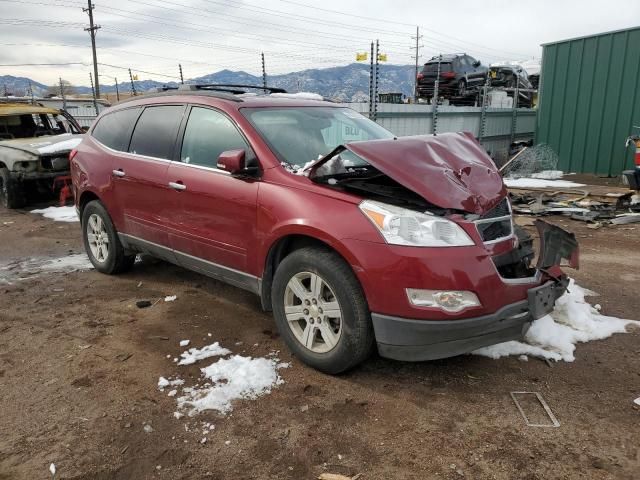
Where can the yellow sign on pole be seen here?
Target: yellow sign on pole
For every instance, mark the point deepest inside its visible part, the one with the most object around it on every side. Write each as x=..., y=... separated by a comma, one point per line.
x=135, y=77
x=382, y=57
x=361, y=56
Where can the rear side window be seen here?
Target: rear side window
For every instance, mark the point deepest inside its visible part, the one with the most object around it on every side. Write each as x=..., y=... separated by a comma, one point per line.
x=207, y=135
x=114, y=129
x=156, y=130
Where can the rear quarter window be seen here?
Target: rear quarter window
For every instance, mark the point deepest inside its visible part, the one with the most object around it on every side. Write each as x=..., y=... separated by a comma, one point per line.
x=114, y=129
x=156, y=130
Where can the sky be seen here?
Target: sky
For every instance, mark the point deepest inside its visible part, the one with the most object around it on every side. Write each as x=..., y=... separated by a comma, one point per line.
x=153, y=36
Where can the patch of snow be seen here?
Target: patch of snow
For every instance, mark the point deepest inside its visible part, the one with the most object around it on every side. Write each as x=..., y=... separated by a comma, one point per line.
x=299, y=96
x=232, y=379
x=548, y=174
x=192, y=355
x=70, y=263
x=64, y=146
x=332, y=181
x=164, y=383
x=59, y=214
x=147, y=428
x=170, y=298
x=637, y=401
x=555, y=336
x=31, y=268
x=52, y=468
x=184, y=343
x=540, y=183
x=172, y=393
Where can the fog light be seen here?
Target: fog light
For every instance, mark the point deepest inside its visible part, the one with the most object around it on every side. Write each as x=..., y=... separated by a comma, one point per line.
x=448, y=300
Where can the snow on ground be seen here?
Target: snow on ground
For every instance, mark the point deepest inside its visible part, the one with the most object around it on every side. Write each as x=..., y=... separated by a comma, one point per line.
x=540, y=183
x=555, y=336
x=21, y=269
x=64, y=146
x=548, y=174
x=230, y=379
x=59, y=214
x=193, y=355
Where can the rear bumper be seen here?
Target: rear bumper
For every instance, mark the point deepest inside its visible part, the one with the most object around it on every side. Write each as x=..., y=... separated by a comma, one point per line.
x=419, y=340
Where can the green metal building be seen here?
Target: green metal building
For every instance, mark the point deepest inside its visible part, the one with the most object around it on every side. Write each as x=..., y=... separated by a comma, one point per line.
x=589, y=101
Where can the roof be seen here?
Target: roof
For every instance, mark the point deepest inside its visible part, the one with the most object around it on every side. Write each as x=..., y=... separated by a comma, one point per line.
x=240, y=101
x=445, y=57
x=593, y=35
x=7, y=109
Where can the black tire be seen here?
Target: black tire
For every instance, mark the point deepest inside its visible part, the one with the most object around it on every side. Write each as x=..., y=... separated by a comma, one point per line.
x=356, y=341
x=117, y=260
x=11, y=195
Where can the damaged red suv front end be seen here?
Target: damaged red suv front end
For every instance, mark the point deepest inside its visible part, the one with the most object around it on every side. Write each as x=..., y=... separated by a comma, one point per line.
x=477, y=286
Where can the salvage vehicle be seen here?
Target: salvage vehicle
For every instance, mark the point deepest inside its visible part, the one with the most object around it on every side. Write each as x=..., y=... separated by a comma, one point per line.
x=460, y=76
x=351, y=236
x=512, y=76
x=35, y=142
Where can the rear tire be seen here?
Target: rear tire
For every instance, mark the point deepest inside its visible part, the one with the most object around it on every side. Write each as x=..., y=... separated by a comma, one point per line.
x=101, y=241
x=322, y=279
x=11, y=194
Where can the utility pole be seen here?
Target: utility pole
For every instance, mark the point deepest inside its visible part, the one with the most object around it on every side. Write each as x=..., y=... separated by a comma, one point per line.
x=64, y=98
x=92, y=32
x=31, y=93
x=434, y=102
x=117, y=92
x=6, y=93
x=264, y=74
x=181, y=77
x=375, y=83
x=417, y=57
x=93, y=91
x=133, y=87
x=371, y=83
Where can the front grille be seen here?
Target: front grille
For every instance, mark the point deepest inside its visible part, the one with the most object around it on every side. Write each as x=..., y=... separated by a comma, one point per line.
x=496, y=223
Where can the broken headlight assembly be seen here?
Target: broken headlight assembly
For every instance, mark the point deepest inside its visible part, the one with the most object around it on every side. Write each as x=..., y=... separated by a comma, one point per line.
x=401, y=226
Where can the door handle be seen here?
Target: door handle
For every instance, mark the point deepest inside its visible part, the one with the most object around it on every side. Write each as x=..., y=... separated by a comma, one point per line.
x=118, y=173
x=178, y=186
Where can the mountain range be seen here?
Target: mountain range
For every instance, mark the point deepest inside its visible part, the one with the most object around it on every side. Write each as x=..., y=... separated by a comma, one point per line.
x=348, y=83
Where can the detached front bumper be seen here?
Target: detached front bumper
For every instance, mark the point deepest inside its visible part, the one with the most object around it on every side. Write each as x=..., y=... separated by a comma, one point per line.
x=420, y=340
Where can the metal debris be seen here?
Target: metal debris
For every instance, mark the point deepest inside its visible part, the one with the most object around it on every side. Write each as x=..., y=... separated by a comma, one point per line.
x=552, y=417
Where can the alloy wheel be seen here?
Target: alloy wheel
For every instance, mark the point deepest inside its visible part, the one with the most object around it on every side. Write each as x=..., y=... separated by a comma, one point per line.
x=313, y=312
x=98, y=238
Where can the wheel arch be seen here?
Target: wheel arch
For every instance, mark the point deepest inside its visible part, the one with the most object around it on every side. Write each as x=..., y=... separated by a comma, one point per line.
x=86, y=197
x=286, y=244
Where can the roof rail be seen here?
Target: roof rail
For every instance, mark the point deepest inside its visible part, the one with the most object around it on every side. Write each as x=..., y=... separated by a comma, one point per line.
x=236, y=89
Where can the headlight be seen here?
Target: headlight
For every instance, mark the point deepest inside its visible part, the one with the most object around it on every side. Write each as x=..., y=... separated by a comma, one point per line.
x=448, y=300
x=400, y=226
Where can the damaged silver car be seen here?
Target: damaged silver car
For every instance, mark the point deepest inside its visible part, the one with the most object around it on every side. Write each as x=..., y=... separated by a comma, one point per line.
x=35, y=142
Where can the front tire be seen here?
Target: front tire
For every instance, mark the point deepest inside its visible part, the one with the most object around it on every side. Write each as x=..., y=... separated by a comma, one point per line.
x=461, y=90
x=101, y=241
x=321, y=311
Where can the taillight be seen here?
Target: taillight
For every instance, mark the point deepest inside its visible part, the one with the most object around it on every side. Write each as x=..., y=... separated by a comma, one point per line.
x=448, y=74
x=420, y=76
x=72, y=154
x=637, y=157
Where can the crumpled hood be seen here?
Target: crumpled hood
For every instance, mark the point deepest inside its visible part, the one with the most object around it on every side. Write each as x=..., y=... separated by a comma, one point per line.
x=45, y=145
x=449, y=170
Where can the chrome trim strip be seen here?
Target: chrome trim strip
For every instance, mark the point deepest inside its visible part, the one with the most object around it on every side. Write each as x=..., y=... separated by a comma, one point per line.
x=229, y=275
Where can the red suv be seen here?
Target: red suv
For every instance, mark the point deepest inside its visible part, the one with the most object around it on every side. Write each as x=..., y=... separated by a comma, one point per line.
x=353, y=237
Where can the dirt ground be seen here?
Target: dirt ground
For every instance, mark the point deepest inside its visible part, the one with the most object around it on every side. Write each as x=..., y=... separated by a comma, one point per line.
x=79, y=366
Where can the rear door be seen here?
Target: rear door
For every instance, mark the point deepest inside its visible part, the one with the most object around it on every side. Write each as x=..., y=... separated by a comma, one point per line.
x=141, y=188
x=213, y=215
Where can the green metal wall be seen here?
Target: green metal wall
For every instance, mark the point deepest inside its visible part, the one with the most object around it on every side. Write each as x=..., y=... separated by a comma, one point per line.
x=589, y=101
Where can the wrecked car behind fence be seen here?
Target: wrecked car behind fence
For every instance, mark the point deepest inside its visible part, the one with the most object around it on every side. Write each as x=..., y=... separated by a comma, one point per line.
x=35, y=142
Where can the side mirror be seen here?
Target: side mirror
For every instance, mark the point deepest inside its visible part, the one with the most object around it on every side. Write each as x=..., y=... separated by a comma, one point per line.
x=84, y=129
x=476, y=63
x=232, y=161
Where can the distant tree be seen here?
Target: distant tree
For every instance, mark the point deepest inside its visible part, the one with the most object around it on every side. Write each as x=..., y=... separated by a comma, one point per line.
x=54, y=90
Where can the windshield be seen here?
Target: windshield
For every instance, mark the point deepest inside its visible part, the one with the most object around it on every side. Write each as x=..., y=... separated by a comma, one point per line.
x=30, y=125
x=299, y=135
